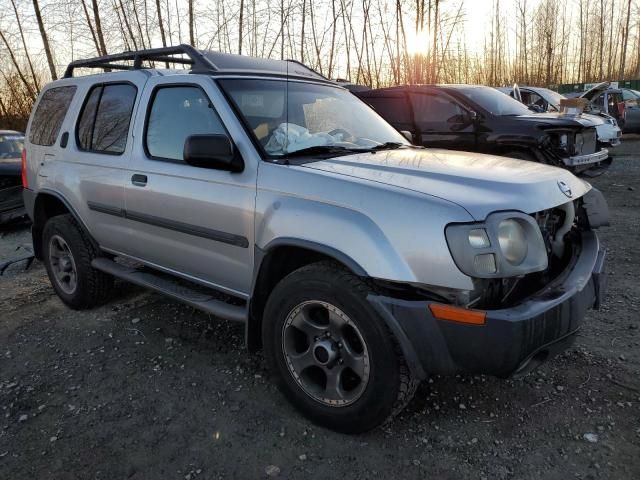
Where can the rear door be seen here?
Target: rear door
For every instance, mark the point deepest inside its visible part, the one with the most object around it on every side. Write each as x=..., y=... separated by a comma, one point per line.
x=96, y=159
x=442, y=121
x=191, y=221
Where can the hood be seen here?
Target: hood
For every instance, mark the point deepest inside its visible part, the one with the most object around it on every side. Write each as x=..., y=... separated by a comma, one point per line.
x=551, y=119
x=596, y=90
x=481, y=184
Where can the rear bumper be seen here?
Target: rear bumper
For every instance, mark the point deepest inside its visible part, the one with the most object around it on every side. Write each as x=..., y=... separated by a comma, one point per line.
x=512, y=340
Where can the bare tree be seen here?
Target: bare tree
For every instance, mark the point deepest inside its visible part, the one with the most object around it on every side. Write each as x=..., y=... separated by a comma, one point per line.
x=45, y=40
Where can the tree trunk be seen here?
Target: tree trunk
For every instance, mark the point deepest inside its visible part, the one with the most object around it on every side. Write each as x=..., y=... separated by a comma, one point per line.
x=90, y=25
x=192, y=38
x=24, y=46
x=304, y=10
x=45, y=41
x=625, y=41
x=96, y=16
x=240, y=23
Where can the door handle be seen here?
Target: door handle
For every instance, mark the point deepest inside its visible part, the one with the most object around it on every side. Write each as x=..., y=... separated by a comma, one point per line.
x=139, y=180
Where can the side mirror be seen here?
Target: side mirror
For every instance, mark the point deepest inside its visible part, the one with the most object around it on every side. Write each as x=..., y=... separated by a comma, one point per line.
x=212, y=151
x=407, y=134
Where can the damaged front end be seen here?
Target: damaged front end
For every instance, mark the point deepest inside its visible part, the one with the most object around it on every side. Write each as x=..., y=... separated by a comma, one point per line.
x=576, y=149
x=562, y=229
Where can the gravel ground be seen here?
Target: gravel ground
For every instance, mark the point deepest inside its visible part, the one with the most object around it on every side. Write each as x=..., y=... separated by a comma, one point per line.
x=145, y=388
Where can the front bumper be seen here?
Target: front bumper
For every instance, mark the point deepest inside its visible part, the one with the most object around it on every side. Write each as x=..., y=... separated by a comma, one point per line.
x=512, y=340
x=591, y=158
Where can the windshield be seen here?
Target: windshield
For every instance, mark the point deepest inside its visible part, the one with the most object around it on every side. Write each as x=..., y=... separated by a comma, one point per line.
x=494, y=101
x=288, y=116
x=550, y=96
x=11, y=145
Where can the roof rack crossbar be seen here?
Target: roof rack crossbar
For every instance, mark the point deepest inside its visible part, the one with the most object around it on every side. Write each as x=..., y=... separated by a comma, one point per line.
x=195, y=58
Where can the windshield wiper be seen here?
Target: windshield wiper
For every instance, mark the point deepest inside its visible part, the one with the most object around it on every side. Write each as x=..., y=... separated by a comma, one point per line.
x=388, y=146
x=318, y=150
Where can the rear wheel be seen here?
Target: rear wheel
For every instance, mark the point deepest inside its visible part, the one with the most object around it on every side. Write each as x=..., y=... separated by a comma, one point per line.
x=334, y=356
x=68, y=253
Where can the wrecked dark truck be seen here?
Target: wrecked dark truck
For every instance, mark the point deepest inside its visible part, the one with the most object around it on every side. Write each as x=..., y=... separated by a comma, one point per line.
x=11, y=202
x=480, y=119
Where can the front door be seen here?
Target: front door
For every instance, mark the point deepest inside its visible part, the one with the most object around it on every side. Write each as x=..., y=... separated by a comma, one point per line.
x=192, y=221
x=442, y=121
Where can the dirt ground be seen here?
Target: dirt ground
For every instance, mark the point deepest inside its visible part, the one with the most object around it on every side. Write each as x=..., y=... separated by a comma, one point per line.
x=145, y=388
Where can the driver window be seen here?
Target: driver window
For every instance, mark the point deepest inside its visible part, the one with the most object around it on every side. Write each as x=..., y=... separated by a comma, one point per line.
x=435, y=108
x=175, y=113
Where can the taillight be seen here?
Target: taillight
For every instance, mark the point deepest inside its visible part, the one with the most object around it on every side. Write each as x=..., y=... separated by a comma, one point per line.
x=25, y=184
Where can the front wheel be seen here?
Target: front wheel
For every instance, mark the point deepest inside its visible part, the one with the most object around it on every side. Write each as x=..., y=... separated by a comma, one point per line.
x=334, y=356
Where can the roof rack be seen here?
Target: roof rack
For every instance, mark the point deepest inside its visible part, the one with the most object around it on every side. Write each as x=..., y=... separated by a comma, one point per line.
x=113, y=62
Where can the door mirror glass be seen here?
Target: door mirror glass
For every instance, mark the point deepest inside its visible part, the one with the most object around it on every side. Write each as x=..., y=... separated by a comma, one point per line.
x=212, y=151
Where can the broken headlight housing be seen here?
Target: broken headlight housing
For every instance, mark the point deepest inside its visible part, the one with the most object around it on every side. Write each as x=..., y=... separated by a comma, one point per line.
x=506, y=244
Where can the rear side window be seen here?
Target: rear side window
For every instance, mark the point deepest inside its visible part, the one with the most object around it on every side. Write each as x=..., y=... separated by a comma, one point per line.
x=103, y=125
x=176, y=113
x=50, y=114
x=393, y=109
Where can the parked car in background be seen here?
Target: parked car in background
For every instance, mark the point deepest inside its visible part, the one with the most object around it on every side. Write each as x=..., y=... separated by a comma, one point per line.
x=623, y=104
x=542, y=100
x=481, y=119
x=261, y=192
x=11, y=202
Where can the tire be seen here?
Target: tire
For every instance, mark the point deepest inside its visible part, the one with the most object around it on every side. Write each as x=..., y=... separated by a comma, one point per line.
x=359, y=338
x=68, y=252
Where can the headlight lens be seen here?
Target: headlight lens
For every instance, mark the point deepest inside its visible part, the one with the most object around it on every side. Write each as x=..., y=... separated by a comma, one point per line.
x=505, y=244
x=513, y=241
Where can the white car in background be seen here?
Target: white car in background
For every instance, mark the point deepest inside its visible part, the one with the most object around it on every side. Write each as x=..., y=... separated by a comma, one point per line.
x=543, y=100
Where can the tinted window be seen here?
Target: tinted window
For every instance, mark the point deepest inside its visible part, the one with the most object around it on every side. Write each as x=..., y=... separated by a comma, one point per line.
x=394, y=109
x=436, y=108
x=175, y=114
x=104, y=121
x=49, y=115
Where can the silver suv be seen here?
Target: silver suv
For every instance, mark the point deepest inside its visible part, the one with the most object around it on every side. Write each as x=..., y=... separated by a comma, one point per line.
x=263, y=193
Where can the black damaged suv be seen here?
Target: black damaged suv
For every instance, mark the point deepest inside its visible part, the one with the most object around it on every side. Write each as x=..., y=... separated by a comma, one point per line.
x=481, y=119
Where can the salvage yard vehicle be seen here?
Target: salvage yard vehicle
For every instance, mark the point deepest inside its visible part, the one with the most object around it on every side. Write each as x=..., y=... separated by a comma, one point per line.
x=11, y=202
x=621, y=103
x=480, y=119
x=261, y=192
x=545, y=100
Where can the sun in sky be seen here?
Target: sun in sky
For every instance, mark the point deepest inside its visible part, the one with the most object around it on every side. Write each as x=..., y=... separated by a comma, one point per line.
x=419, y=43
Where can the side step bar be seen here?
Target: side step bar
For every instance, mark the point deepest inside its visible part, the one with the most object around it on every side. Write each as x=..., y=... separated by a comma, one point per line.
x=194, y=296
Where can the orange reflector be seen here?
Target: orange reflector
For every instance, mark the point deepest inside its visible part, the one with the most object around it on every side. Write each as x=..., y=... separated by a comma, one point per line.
x=457, y=314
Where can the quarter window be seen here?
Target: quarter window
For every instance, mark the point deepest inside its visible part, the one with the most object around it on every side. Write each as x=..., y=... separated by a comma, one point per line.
x=50, y=114
x=104, y=122
x=176, y=113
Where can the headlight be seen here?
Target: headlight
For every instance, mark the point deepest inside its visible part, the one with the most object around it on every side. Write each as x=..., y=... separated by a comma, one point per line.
x=513, y=241
x=563, y=140
x=506, y=244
